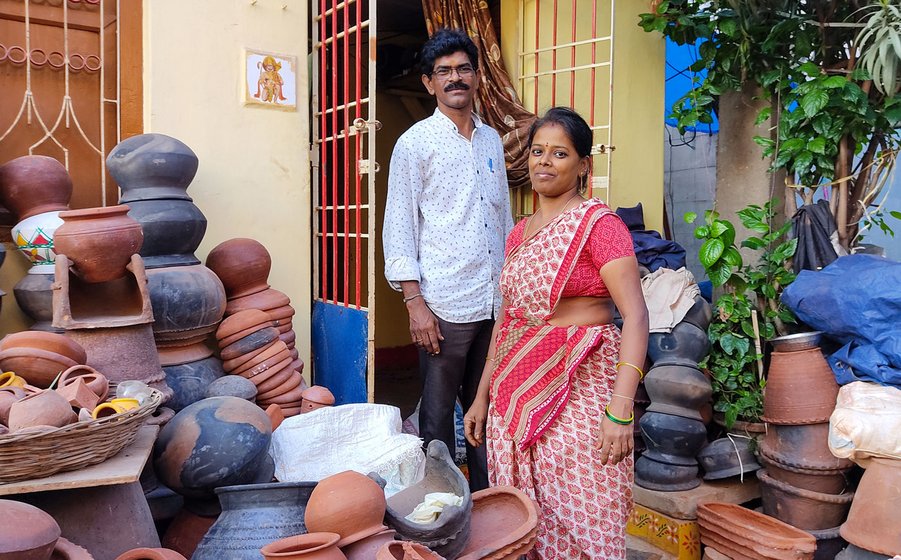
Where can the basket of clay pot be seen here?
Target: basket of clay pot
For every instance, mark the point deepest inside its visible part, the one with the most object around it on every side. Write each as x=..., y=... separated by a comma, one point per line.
x=42, y=451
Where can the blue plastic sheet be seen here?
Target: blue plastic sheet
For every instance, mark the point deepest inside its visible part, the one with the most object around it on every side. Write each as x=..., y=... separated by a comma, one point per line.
x=856, y=300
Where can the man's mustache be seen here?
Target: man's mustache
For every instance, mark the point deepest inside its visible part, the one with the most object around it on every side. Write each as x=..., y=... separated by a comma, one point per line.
x=456, y=85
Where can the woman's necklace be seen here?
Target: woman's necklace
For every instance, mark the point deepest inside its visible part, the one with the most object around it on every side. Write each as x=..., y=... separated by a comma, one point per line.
x=526, y=232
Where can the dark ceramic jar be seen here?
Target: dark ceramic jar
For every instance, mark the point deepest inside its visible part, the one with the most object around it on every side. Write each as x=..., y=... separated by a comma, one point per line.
x=152, y=167
x=189, y=382
x=32, y=185
x=672, y=439
x=677, y=387
x=254, y=515
x=188, y=302
x=173, y=229
x=34, y=296
x=686, y=342
x=664, y=477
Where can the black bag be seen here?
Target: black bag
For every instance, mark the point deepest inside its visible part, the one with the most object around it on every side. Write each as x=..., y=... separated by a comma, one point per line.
x=813, y=226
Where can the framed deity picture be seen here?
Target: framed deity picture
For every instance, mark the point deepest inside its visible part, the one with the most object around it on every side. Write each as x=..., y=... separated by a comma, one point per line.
x=270, y=80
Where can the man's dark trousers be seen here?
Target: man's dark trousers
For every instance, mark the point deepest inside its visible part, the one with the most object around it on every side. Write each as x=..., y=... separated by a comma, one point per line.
x=454, y=372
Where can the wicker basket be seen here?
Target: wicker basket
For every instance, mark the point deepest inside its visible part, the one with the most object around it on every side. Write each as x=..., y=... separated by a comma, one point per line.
x=39, y=454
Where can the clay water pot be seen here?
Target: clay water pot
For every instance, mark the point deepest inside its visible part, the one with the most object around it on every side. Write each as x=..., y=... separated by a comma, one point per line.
x=664, y=477
x=242, y=264
x=811, y=511
x=173, y=229
x=874, y=522
x=150, y=554
x=240, y=325
x=686, y=341
x=678, y=387
x=38, y=367
x=368, y=547
x=800, y=388
x=232, y=386
x=95, y=380
x=51, y=342
x=504, y=521
x=249, y=343
x=403, y=550
x=9, y=395
x=254, y=515
x=802, y=446
x=188, y=302
x=189, y=381
x=99, y=241
x=816, y=480
x=348, y=503
x=152, y=166
x=267, y=299
x=47, y=408
x=27, y=533
x=317, y=397
x=312, y=546
x=726, y=457
x=672, y=439
x=31, y=185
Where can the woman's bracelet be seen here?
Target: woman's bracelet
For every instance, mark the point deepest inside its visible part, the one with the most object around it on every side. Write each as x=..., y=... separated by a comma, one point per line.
x=411, y=298
x=616, y=419
x=633, y=366
x=622, y=397
x=490, y=358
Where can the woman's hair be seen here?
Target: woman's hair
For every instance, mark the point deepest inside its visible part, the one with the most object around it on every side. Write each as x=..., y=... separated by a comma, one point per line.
x=447, y=42
x=574, y=126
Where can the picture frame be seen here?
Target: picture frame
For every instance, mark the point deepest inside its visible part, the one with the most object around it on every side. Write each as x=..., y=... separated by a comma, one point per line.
x=270, y=79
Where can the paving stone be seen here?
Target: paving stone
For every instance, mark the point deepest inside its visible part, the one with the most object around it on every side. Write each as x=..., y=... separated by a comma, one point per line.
x=637, y=549
x=684, y=505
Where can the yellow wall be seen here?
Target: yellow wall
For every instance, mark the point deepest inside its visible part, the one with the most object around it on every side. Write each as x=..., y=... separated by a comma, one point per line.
x=254, y=175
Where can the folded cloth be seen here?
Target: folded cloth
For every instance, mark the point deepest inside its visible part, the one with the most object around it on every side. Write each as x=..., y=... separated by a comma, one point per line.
x=866, y=422
x=432, y=505
x=669, y=294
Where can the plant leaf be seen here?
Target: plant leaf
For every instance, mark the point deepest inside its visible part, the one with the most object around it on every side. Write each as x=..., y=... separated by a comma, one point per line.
x=720, y=273
x=690, y=217
x=814, y=101
x=710, y=252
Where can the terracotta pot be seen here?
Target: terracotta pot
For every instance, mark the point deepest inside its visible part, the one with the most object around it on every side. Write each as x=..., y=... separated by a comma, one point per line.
x=311, y=546
x=348, y=503
x=804, y=447
x=78, y=394
x=800, y=388
x=99, y=241
x=289, y=398
x=249, y=343
x=274, y=352
x=93, y=378
x=242, y=264
x=812, y=511
x=240, y=322
x=288, y=337
x=281, y=314
x=47, y=408
x=151, y=554
x=38, y=367
x=664, y=477
x=264, y=372
x=267, y=299
x=284, y=327
x=275, y=414
x=875, y=517
x=319, y=395
x=504, y=520
x=51, y=342
x=753, y=529
x=232, y=386
x=234, y=363
x=291, y=382
x=28, y=533
x=191, y=352
x=826, y=481
x=9, y=395
x=677, y=387
x=403, y=550
x=367, y=548
x=31, y=185
x=67, y=550
x=738, y=547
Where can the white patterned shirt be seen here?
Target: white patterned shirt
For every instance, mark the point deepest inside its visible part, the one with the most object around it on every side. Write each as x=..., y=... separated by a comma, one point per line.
x=447, y=217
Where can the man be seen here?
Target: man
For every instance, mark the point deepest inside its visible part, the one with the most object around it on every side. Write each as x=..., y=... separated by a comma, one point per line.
x=446, y=220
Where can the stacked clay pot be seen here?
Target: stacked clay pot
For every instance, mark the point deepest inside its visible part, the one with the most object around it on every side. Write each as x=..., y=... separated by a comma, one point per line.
x=875, y=517
x=243, y=266
x=250, y=346
x=803, y=484
x=39, y=356
x=153, y=172
x=672, y=426
x=36, y=189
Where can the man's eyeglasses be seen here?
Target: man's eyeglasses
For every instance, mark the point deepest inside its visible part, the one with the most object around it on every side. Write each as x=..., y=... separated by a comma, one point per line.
x=444, y=72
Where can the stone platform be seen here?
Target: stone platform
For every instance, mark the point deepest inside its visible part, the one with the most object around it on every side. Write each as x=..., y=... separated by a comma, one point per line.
x=684, y=504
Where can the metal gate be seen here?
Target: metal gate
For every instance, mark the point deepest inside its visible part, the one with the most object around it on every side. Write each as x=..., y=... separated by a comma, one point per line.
x=343, y=152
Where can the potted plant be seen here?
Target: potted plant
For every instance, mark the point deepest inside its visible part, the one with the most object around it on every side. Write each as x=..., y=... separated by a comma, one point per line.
x=748, y=309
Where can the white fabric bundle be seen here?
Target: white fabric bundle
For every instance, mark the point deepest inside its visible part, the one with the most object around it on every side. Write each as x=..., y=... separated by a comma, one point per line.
x=866, y=422
x=432, y=505
x=669, y=295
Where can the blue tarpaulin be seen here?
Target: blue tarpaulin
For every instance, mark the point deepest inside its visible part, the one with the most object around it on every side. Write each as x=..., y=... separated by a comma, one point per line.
x=678, y=79
x=856, y=301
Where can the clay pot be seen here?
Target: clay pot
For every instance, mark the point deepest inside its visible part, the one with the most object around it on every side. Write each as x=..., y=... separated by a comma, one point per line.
x=178, y=355
x=189, y=382
x=47, y=408
x=31, y=185
x=99, y=241
x=38, y=367
x=403, y=550
x=825, y=481
x=802, y=508
x=249, y=343
x=726, y=457
x=664, y=477
x=67, y=550
x=51, y=342
x=9, y=395
x=800, y=388
x=367, y=548
x=674, y=440
x=254, y=515
x=232, y=386
x=281, y=314
x=34, y=238
x=677, y=387
x=78, y=394
x=829, y=543
x=186, y=530
x=27, y=532
x=686, y=341
x=235, y=363
x=804, y=447
x=93, y=378
x=751, y=534
x=347, y=503
x=875, y=517
x=188, y=302
x=317, y=397
x=274, y=352
x=244, y=322
x=214, y=442
x=273, y=388
x=700, y=314
x=151, y=554
x=242, y=264
x=504, y=520
x=275, y=414
x=152, y=166
x=312, y=546
x=173, y=229
x=288, y=399
x=34, y=296
x=267, y=299
x=264, y=372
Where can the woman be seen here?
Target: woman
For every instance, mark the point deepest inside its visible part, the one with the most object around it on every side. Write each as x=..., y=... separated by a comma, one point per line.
x=555, y=399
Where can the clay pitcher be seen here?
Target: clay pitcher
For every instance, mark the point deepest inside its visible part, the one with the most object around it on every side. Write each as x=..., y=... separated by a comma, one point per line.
x=99, y=241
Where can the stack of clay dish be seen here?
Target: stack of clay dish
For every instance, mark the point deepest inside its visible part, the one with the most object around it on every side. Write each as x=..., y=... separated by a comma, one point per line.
x=448, y=534
x=738, y=532
x=243, y=265
x=804, y=484
x=316, y=397
x=311, y=546
x=39, y=356
x=249, y=346
x=36, y=189
x=349, y=504
x=504, y=524
x=874, y=522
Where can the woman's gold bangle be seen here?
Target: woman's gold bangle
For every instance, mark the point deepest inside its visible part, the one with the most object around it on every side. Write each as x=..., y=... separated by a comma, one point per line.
x=622, y=396
x=633, y=366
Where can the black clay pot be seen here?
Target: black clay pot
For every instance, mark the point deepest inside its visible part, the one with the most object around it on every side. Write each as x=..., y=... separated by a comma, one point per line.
x=189, y=382
x=152, y=167
x=219, y=441
x=686, y=341
x=673, y=440
x=254, y=515
x=727, y=457
x=700, y=314
x=856, y=553
x=34, y=295
x=188, y=302
x=677, y=387
x=663, y=477
x=173, y=229
x=829, y=543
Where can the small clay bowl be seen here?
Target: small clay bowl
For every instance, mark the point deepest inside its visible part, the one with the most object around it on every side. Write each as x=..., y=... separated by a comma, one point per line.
x=276, y=350
x=51, y=342
x=282, y=313
x=275, y=382
x=241, y=321
x=285, y=327
x=177, y=355
x=231, y=365
x=258, y=376
x=292, y=382
x=96, y=381
x=291, y=397
x=38, y=367
x=267, y=299
x=249, y=343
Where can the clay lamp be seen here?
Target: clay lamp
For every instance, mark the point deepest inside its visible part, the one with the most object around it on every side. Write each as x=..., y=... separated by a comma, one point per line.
x=347, y=503
x=28, y=533
x=316, y=397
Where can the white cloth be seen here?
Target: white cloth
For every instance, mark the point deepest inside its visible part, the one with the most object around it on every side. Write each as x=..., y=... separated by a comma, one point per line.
x=359, y=437
x=432, y=505
x=866, y=422
x=447, y=217
x=669, y=294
